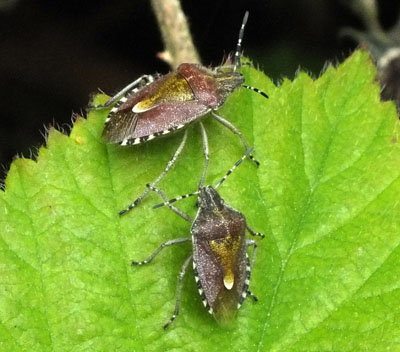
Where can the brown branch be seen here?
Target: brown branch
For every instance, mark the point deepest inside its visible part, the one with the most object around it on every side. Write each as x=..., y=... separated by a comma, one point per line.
x=174, y=28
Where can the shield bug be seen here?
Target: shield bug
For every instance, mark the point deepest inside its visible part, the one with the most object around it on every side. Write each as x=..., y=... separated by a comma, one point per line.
x=221, y=265
x=151, y=107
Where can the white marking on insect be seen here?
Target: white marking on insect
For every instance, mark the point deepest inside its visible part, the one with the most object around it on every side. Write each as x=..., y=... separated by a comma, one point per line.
x=124, y=142
x=228, y=284
x=137, y=109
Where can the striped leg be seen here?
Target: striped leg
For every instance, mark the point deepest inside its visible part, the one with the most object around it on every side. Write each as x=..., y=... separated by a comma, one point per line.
x=159, y=249
x=245, y=289
x=146, y=78
x=227, y=124
x=253, y=233
x=154, y=183
x=255, y=299
x=253, y=256
x=249, y=265
x=173, y=200
x=206, y=154
x=179, y=291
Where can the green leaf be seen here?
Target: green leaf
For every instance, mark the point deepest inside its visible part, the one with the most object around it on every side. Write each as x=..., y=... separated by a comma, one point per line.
x=326, y=196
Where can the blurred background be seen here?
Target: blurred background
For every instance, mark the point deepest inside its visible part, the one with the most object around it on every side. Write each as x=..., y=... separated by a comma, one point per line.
x=55, y=54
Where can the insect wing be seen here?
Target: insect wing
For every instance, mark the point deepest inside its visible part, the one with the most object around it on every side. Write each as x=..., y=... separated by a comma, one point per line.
x=120, y=127
x=159, y=108
x=166, y=118
x=121, y=121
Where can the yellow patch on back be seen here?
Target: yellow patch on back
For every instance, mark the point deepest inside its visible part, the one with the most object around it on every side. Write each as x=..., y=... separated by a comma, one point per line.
x=226, y=250
x=176, y=88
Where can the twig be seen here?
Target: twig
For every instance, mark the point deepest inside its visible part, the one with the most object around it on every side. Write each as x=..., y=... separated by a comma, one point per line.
x=178, y=42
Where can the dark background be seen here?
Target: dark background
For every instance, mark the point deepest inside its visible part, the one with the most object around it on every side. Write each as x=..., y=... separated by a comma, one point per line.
x=54, y=54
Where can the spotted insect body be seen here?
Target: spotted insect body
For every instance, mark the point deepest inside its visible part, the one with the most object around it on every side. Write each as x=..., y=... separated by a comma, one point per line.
x=152, y=107
x=221, y=265
x=169, y=103
x=219, y=255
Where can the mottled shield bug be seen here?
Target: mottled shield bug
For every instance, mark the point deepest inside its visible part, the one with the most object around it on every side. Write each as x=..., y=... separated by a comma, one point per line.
x=221, y=265
x=151, y=107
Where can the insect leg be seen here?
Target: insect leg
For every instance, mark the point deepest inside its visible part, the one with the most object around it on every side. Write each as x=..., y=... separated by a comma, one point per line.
x=245, y=289
x=172, y=207
x=227, y=124
x=159, y=249
x=167, y=168
x=253, y=233
x=179, y=291
x=249, y=265
x=147, y=78
x=252, y=295
x=253, y=256
x=206, y=154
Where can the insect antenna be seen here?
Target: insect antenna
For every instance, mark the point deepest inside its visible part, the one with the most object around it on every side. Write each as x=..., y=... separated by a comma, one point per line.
x=254, y=89
x=174, y=209
x=173, y=200
x=234, y=167
x=236, y=59
x=238, y=54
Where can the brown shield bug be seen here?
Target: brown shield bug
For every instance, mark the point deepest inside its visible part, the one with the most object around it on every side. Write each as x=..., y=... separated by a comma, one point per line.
x=151, y=107
x=221, y=265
